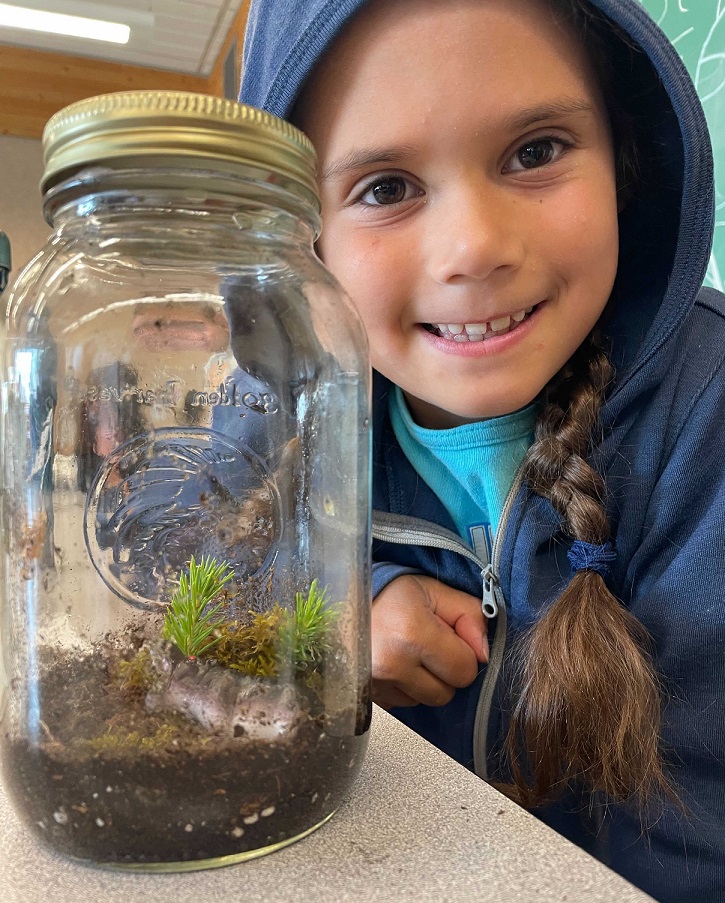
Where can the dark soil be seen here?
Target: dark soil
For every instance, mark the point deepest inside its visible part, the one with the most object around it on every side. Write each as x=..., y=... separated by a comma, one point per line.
x=112, y=783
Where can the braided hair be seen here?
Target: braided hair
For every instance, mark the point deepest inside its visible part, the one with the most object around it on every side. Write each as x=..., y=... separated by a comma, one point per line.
x=588, y=707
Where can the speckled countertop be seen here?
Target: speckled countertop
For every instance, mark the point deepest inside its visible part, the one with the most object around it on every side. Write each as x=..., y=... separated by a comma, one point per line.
x=417, y=827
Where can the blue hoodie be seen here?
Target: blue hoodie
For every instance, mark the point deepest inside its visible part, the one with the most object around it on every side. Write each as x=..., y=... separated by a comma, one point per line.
x=661, y=454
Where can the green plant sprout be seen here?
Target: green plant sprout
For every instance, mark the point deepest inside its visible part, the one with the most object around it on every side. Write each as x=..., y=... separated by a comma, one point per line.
x=189, y=622
x=260, y=647
x=268, y=641
x=305, y=630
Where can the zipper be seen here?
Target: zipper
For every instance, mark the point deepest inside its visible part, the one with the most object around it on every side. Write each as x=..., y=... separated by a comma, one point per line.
x=498, y=647
x=404, y=530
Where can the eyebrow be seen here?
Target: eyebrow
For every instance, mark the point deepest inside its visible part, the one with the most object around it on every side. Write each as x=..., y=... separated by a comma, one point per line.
x=367, y=156
x=522, y=119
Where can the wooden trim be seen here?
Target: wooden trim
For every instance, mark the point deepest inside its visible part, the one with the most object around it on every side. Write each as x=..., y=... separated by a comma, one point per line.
x=216, y=79
x=35, y=84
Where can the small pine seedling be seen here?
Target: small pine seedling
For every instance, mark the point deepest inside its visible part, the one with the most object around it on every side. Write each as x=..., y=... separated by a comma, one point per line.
x=305, y=631
x=189, y=622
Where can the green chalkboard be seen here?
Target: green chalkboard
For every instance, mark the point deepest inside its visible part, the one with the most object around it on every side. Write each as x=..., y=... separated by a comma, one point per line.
x=697, y=29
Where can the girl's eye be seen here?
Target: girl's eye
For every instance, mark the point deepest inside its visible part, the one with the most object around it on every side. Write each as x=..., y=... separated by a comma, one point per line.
x=536, y=153
x=387, y=190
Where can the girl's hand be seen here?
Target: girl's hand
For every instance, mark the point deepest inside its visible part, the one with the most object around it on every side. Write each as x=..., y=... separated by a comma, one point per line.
x=428, y=639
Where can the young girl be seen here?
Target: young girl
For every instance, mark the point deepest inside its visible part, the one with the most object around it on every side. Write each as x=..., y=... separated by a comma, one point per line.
x=517, y=194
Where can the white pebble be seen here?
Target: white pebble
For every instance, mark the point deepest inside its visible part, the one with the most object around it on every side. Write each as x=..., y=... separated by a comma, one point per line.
x=268, y=811
x=100, y=822
x=61, y=817
x=314, y=797
x=189, y=828
x=95, y=796
x=251, y=819
x=109, y=789
x=237, y=832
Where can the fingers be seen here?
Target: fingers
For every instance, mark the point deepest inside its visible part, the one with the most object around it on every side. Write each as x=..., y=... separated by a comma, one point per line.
x=428, y=640
x=399, y=679
x=388, y=696
x=448, y=657
x=464, y=614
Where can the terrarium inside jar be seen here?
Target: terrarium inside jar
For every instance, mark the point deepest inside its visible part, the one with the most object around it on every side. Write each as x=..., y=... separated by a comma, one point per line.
x=184, y=494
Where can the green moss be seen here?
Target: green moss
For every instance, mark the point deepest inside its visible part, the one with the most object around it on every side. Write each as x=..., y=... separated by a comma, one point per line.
x=252, y=648
x=135, y=676
x=261, y=646
x=161, y=738
x=117, y=741
x=269, y=642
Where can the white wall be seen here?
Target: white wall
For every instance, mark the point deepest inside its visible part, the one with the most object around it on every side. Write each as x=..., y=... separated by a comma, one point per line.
x=21, y=217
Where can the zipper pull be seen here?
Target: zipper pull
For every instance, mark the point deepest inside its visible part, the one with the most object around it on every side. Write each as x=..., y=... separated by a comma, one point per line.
x=489, y=605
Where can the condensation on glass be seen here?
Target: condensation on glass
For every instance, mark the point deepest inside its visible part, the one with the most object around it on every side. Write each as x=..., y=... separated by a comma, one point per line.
x=184, y=494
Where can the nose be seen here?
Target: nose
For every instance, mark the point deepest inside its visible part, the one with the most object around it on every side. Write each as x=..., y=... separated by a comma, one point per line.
x=476, y=231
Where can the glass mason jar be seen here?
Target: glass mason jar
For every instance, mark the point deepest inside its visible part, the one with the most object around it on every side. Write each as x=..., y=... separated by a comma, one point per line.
x=184, y=494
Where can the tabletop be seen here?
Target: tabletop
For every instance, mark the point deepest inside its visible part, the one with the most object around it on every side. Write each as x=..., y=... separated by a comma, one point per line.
x=415, y=827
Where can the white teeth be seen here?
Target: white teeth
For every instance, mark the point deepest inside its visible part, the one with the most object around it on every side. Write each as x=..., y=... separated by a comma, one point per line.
x=500, y=323
x=475, y=332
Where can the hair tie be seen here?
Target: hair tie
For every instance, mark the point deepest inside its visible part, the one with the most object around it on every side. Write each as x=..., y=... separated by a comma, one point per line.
x=586, y=556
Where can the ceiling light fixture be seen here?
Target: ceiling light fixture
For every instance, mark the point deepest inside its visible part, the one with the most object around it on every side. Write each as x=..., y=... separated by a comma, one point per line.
x=61, y=23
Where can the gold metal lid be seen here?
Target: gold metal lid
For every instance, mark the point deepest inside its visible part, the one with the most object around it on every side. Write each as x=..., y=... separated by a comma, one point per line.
x=177, y=129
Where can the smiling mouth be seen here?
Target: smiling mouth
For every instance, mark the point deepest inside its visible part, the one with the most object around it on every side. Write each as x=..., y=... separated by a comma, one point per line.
x=479, y=332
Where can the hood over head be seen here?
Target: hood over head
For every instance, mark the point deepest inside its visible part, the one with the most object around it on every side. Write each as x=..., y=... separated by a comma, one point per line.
x=666, y=226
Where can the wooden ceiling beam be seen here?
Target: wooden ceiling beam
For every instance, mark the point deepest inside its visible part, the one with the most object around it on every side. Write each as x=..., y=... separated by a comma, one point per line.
x=35, y=84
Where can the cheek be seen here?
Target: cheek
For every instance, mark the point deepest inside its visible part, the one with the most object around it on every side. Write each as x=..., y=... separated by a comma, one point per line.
x=363, y=266
x=581, y=234
x=597, y=247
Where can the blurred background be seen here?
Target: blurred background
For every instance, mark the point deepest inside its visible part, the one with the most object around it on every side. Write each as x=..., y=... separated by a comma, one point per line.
x=184, y=45
x=697, y=29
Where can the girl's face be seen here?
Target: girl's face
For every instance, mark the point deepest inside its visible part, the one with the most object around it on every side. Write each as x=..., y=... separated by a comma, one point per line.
x=468, y=197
